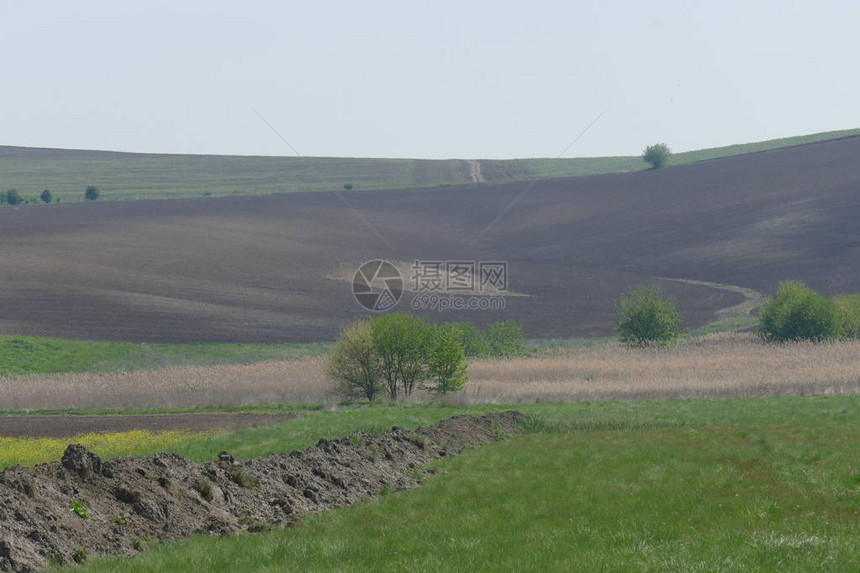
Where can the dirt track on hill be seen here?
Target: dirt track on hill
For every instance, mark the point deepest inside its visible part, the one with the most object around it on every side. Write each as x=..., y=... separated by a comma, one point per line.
x=61, y=426
x=128, y=500
x=253, y=269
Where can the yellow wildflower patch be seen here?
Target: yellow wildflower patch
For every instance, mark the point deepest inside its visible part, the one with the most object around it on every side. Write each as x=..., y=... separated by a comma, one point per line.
x=32, y=451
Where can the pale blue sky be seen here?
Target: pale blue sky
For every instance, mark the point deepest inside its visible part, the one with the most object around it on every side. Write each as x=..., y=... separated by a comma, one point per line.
x=433, y=79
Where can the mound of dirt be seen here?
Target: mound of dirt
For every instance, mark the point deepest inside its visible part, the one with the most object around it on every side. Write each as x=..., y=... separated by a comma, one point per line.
x=61, y=512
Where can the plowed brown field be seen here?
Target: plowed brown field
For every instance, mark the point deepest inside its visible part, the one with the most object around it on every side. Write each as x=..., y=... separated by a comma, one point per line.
x=257, y=268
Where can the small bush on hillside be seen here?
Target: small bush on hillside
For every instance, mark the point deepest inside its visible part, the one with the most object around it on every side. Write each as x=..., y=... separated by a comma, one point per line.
x=13, y=197
x=798, y=313
x=657, y=155
x=644, y=316
x=92, y=193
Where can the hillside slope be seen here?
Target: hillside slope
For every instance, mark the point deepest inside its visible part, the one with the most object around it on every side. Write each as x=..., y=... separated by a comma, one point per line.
x=257, y=268
x=132, y=176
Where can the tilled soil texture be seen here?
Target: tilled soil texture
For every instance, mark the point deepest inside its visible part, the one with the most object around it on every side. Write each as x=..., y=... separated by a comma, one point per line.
x=255, y=269
x=62, y=426
x=61, y=511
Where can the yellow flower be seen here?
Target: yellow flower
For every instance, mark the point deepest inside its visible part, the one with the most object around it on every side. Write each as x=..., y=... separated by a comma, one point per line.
x=31, y=451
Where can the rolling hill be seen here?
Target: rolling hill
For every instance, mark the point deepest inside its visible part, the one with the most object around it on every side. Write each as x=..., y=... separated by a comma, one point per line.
x=131, y=176
x=258, y=268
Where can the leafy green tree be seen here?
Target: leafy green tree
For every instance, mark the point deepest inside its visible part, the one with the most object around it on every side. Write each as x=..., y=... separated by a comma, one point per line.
x=446, y=363
x=848, y=310
x=92, y=193
x=644, y=316
x=470, y=337
x=798, y=313
x=46, y=196
x=505, y=338
x=354, y=364
x=402, y=341
x=396, y=352
x=13, y=197
x=657, y=155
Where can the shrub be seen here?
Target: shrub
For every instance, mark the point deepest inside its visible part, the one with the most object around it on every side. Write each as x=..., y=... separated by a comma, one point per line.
x=848, y=310
x=644, y=316
x=505, y=338
x=354, y=364
x=92, y=193
x=657, y=155
x=13, y=197
x=46, y=196
x=348, y=186
x=446, y=363
x=798, y=313
x=470, y=337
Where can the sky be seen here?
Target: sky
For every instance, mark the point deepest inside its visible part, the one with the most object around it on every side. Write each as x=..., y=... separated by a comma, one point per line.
x=435, y=80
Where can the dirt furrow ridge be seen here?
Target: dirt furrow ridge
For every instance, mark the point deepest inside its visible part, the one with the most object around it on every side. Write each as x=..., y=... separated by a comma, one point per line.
x=63, y=512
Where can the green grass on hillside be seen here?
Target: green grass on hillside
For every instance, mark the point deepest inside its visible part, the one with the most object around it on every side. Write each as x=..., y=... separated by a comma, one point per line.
x=34, y=355
x=158, y=176
x=724, y=485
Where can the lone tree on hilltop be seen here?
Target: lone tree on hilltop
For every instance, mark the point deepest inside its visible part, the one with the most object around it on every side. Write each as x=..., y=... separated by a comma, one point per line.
x=92, y=193
x=657, y=155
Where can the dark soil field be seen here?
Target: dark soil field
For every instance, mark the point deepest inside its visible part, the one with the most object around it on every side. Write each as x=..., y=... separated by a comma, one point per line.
x=255, y=269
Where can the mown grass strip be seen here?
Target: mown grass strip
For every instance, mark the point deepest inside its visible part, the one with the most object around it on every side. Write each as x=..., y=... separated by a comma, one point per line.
x=21, y=355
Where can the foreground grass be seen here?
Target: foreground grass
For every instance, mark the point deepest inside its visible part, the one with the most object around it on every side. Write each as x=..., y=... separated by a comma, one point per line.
x=36, y=355
x=729, y=485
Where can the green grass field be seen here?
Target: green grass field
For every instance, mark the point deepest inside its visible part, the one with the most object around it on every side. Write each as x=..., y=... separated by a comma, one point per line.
x=724, y=485
x=127, y=176
x=35, y=355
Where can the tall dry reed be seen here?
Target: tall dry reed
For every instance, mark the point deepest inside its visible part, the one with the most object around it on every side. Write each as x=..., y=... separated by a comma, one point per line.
x=718, y=366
